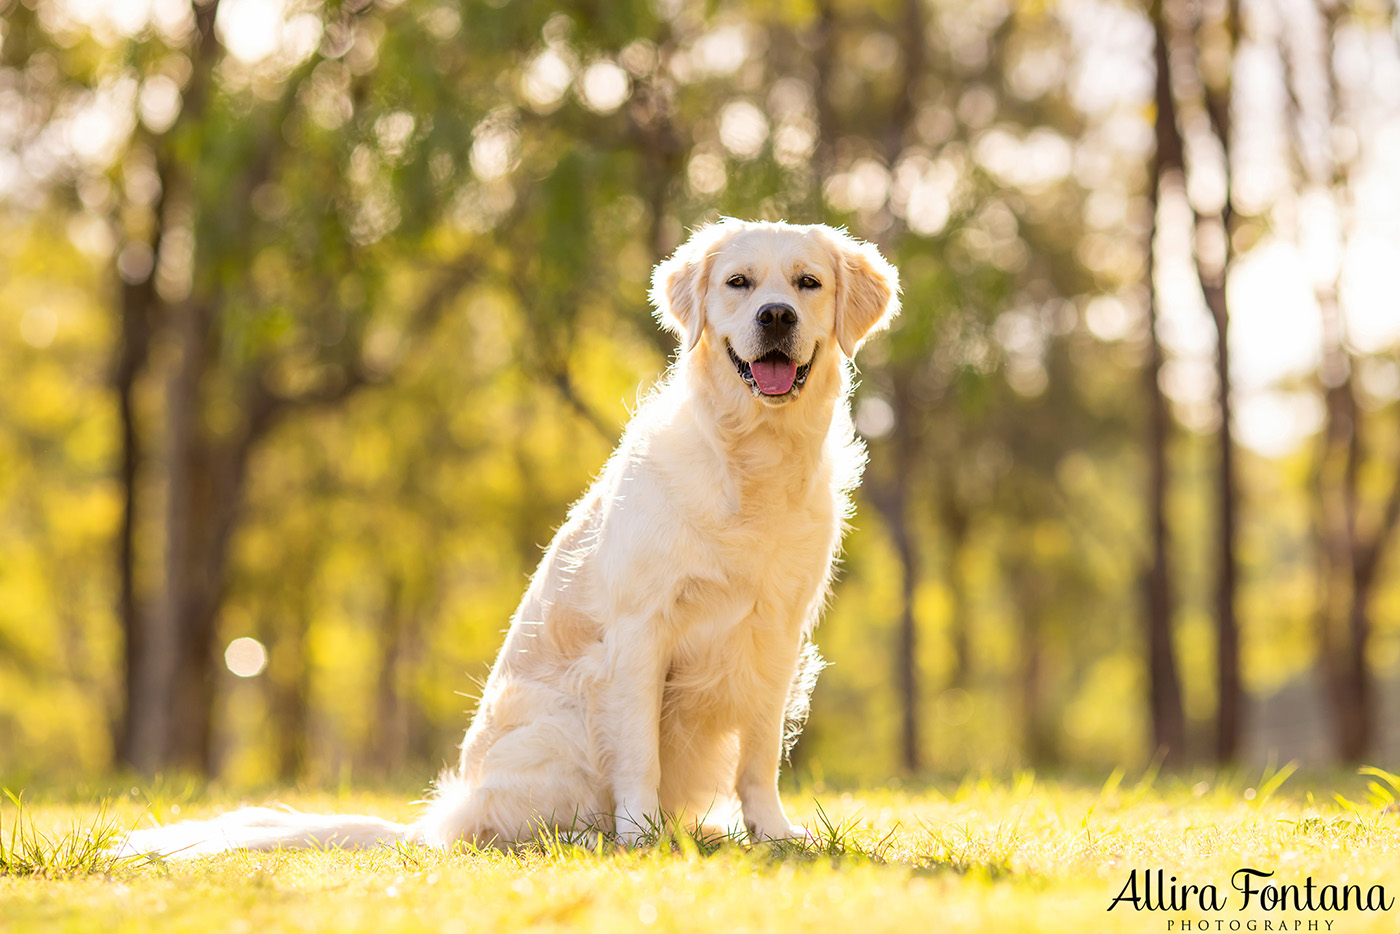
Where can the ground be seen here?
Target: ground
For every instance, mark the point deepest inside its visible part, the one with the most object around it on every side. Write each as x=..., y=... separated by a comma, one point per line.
x=1022, y=854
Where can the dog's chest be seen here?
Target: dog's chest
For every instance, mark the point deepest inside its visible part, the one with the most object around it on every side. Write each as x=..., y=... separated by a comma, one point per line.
x=759, y=560
x=756, y=533
x=706, y=543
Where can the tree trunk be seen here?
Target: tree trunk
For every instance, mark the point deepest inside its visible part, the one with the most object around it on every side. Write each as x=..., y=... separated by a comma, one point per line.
x=824, y=64
x=892, y=499
x=174, y=639
x=131, y=359
x=1341, y=616
x=906, y=643
x=1354, y=718
x=1355, y=715
x=222, y=470
x=1214, y=255
x=290, y=687
x=204, y=489
x=172, y=674
x=388, y=741
x=1228, y=683
x=151, y=650
x=164, y=642
x=955, y=524
x=1164, y=686
x=1037, y=733
x=907, y=650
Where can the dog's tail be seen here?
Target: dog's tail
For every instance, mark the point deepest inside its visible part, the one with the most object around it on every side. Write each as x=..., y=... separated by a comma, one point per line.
x=263, y=829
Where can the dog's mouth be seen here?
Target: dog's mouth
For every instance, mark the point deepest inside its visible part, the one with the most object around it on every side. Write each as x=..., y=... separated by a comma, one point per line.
x=773, y=374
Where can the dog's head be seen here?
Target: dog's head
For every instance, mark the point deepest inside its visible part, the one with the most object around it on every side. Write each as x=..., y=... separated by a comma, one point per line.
x=772, y=299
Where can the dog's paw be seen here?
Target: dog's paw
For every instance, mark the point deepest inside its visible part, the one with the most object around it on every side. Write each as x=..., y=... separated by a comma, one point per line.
x=629, y=839
x=631, y=834
x=779, y=833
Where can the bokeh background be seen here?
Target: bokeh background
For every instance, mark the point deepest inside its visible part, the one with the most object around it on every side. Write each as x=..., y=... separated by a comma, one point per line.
x=315, y=316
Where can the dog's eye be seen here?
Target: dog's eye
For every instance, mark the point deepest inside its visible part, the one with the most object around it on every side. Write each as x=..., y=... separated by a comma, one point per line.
x=808, y=282
x=739, y=282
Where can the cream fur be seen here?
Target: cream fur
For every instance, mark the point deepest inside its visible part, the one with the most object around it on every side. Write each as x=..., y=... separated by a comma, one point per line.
x=662, y=646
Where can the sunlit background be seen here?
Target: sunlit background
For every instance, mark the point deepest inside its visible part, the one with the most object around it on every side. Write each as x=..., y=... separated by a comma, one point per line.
x=315, y=317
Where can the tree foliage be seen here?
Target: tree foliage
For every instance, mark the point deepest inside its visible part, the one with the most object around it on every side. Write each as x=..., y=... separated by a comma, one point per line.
x=315, y=326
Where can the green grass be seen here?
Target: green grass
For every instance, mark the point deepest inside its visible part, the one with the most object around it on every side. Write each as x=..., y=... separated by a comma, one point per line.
x=82, y=849
x=1025, y=854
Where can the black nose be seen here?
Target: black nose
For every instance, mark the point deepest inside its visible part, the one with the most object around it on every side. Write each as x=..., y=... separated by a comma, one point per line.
x=776, y=319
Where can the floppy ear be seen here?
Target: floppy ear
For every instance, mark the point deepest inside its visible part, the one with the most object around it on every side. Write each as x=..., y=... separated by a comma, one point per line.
x=678, y=288
x=867, y=291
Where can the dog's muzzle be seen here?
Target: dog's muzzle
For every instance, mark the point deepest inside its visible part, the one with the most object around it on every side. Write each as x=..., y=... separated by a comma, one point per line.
x=774, y=374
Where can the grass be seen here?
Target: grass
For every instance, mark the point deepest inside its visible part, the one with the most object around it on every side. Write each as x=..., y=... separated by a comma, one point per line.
x=1025, y=854
x=80, y=850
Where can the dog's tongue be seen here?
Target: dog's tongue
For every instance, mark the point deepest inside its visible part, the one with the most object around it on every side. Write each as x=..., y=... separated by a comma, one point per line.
x=774, y=377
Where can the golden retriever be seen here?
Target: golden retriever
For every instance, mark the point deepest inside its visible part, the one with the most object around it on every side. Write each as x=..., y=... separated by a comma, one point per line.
x=660, y=656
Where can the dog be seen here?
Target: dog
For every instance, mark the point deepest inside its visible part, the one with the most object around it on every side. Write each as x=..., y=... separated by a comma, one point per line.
x=661, y=660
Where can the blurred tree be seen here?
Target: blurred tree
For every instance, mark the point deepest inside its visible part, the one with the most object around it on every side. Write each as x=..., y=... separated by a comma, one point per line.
x=1352, y=530
x=374, y=287
x=917, y=111
x=1164, y=686
x=1205, y=39
x=265, y=281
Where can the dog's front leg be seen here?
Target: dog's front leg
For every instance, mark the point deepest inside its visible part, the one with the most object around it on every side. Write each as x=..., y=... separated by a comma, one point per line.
x=631, y=705
x=761, y=744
